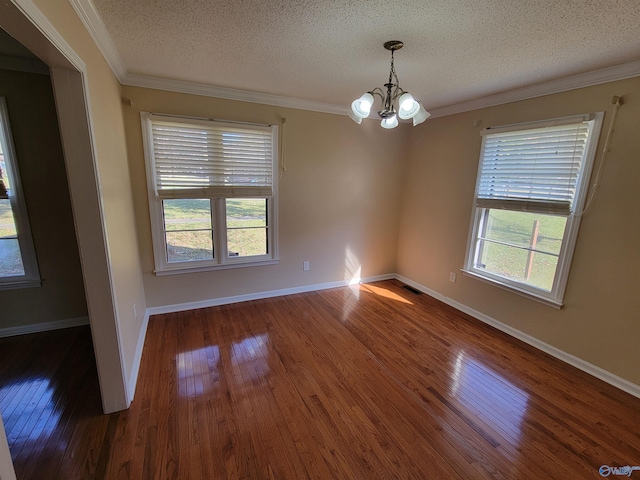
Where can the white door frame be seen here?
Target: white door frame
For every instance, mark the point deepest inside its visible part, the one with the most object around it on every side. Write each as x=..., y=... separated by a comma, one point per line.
x=24, y=21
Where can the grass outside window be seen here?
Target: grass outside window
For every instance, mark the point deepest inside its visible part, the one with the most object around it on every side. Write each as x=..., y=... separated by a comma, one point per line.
x=510, y=246
x=10, y=258
x=190, y=235
x=246, y=227
x=188, y=231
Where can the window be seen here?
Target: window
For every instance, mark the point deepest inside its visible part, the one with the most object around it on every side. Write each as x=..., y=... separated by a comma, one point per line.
x=212, y=193
x=18, y=266
x=531, y=186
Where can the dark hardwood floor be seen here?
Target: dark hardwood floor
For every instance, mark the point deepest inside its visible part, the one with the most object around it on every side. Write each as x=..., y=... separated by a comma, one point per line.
x=366, y=382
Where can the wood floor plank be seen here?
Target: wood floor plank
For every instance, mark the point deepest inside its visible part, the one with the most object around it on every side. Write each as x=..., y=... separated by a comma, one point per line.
x=369, y=381
x=371, y=398
x=416, y=413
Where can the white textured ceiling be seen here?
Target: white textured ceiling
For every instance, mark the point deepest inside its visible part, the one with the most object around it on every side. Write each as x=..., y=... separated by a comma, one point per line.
x=331, y=51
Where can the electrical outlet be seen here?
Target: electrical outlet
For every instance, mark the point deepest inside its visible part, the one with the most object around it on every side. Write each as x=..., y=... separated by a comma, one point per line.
x=305, y=266
x=452, y=277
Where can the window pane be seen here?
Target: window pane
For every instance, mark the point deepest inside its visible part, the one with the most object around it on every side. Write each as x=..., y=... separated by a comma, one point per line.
x=520, y=246
x=5, y=189
x=189, y=236
x=189, y=246
x=246, y=212
x=517, y=228
x=7, y=222
x=246, y=226
x=543, y=269
x=187, y=214
x=10, y=259
x=244, y=242
x=17, y=254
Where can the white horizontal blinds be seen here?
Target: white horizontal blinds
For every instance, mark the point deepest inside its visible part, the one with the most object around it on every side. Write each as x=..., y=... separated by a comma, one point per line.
x=211, y=159
x=534, y=170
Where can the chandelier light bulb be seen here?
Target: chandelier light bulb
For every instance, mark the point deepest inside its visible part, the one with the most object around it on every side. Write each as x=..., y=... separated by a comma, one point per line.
x=389, y=122
x=361, y=107
x=408, y=106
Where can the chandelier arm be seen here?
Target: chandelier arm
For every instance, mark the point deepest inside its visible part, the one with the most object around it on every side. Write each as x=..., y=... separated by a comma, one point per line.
x=379, y=92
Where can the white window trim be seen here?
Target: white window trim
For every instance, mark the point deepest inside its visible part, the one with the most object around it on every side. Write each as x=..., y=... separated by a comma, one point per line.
x=221, y=260
x=555, y=298
x=31, y=278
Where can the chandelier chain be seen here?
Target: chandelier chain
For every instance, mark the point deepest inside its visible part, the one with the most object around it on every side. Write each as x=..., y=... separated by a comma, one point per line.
x=391, y=95
x=392, y=72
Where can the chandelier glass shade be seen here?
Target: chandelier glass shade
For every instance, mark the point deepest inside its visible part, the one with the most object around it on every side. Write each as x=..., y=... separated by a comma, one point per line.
x=396, y=103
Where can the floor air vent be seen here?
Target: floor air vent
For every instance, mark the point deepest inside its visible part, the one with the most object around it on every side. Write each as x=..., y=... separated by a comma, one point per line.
x=412, y=290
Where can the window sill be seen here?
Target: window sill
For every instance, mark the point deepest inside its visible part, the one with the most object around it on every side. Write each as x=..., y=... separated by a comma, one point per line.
x=20, y=284
x=505, y=286
x=206, y=268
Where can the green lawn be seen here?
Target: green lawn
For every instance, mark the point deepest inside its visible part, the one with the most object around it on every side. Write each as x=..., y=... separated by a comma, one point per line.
x=188, y=224
x=515, y=228
x=7, y=225
x=10, y=259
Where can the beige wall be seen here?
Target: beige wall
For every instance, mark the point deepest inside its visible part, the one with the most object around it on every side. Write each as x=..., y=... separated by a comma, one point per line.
x=600, y=322
x=115, y=183
x=338, y=198
x=116, y=343
x=36, y=139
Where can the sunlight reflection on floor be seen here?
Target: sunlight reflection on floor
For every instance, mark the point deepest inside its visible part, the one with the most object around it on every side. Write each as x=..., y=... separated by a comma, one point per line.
x=190, y=366
x=250, y=358
x=42, y=406
x=489, y=395
x=383, y=292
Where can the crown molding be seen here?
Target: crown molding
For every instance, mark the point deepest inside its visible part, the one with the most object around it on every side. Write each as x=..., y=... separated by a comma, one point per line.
x=29, y=12
x=180, y=86
x=96, y=28
x=588, y=79
x=92, y=21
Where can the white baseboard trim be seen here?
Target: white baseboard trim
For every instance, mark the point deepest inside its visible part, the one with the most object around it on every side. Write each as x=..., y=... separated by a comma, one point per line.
x=579, y=363
x=43, y=326
x=214, y=302
x=137, y=358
